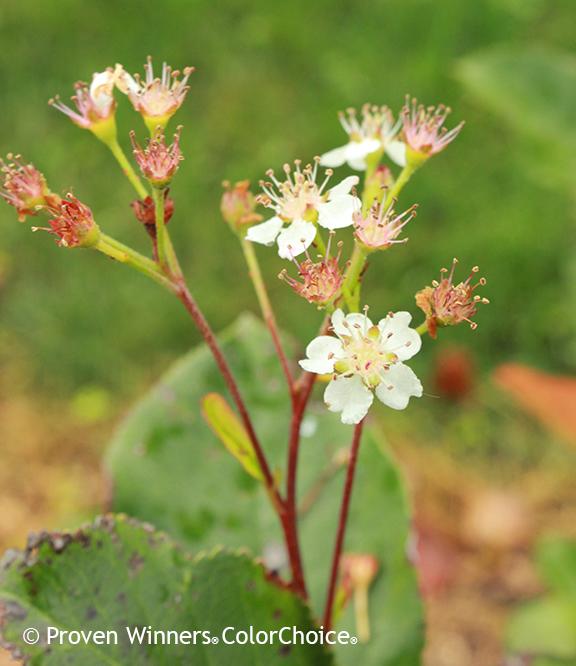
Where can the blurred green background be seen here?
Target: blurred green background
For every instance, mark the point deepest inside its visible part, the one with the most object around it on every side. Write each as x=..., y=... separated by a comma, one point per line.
x=270, y=79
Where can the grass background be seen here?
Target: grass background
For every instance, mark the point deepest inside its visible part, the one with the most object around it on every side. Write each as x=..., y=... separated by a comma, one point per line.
x=270, y=79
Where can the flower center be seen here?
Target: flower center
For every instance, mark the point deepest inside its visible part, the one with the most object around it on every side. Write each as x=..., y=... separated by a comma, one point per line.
x=365, y=356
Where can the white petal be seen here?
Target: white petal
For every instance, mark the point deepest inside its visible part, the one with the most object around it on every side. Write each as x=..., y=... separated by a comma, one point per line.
x=350, y=396
x=357, y=163
x=398, y=337
x=343, y=187
x=296, y=238
x=337, y=321
x=334, y=158
x=358, y=324
x=338, y=212
x=101, y=89
x=399, y=384
x=265, y=232
x=361, y=149
x=322, y=353
x=126, y=83
x=396, y=151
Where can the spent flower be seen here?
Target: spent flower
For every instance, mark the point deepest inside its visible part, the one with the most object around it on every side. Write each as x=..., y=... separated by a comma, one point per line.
x=95, y=104
x=365, y=359
x=448, y=304
x=380, y=227
x=238, y=205
x=423, y=130
x=145, y=212
x=156, y=98
x=301, y=203
x=320, y=281
x=371, y=134
x=24, y=187
x=158, y=161
x=73, y=223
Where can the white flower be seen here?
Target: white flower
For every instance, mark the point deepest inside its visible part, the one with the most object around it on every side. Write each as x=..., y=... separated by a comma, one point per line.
x=375, y=132
x=300, y=203
x=366, y=359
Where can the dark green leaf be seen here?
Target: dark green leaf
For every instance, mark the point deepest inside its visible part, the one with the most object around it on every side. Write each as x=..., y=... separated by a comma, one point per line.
x=118, y=574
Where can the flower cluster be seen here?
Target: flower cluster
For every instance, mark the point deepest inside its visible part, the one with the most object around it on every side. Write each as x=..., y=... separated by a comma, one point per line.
x=156, y=98
x=364, y=359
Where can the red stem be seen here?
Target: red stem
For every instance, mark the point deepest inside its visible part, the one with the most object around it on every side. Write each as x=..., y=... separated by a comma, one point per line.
x=342, y=521
x=292, y=467
x=204, y=327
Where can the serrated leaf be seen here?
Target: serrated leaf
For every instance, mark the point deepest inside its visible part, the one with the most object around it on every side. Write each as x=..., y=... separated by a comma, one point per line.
x=168, y=469
x=231, y=432
x=118, y=573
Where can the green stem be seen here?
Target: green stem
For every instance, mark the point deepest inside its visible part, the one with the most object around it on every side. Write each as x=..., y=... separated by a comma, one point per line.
x=351, y=286
x=422, y=329
x=126, y=255
x=127, y=168
x=161, y=234
x=267, y=312
x=395, y=190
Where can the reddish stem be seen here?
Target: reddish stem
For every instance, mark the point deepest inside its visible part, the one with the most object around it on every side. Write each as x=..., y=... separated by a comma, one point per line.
x=342, y=522
x=204, y=327
x=292, y=468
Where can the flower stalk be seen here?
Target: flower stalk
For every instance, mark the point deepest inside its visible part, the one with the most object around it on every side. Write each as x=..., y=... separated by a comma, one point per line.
x=342, y=522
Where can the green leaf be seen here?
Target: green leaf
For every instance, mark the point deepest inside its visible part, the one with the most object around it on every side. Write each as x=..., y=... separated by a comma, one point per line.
x=169, y=469
x=546, y=627
x=231, y=432
x=534, y=90
x=556, y=561
x=117, y=574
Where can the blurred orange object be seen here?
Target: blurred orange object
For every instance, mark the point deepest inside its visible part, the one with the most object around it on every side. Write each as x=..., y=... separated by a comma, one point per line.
x=550, y=398
x=454, y=373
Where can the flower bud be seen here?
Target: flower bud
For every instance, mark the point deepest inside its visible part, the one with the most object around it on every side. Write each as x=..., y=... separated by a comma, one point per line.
x=158, y=162
x=377, y=183
x=448, y=304
x=238, y=205
x=24, y=187
x=145, y=212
